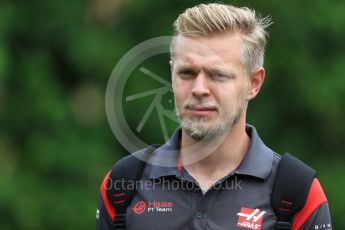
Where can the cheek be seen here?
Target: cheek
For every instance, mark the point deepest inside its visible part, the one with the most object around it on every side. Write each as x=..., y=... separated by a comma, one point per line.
x=233, y=92
x=180, y=90
x=178, y=97
x=177, y=94
x=227, y=99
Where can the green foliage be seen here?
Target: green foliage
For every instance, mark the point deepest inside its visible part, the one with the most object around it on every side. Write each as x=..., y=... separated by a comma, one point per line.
x=57, y=56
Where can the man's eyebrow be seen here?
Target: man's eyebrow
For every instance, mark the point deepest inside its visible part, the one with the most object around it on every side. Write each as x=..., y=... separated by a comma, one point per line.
x=211, y=70
x=220, y=71
x=183, y=66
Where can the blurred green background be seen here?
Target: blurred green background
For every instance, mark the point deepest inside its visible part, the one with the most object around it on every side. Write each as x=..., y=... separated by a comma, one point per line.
x=55, y=61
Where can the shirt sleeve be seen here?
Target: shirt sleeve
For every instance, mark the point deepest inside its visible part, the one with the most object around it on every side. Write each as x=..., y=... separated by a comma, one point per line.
x=105, y=212
x=315, y=213
x=320, y=219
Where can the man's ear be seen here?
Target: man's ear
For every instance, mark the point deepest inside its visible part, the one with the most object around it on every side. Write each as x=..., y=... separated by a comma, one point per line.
x=255, y=82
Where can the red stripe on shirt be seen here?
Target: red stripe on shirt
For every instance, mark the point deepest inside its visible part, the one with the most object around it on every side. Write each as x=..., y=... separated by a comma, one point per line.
x=315, y=198
x=179, y=164
x=108, y=207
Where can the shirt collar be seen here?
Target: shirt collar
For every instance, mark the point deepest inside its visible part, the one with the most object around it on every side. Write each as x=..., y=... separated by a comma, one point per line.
x=165, y=159
x=257, y=161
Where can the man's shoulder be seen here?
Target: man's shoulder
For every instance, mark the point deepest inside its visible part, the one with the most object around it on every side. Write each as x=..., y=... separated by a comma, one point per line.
x=276, y=157
x=131, y=162
x=275, y=163
x=288, y=164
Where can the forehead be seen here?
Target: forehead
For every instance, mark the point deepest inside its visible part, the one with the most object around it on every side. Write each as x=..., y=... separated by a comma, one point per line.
x=219, y=49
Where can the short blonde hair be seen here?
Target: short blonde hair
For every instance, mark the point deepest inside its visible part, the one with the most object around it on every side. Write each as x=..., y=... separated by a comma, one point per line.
x=213, y=18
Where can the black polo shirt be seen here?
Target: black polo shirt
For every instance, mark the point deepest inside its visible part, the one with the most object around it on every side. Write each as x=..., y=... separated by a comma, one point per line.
x=169, y=198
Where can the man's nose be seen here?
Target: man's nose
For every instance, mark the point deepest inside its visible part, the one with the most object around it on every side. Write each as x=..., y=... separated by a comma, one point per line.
x=201, y=86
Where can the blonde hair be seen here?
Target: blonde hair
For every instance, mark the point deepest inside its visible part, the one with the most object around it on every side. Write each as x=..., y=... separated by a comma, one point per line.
x=213, y=18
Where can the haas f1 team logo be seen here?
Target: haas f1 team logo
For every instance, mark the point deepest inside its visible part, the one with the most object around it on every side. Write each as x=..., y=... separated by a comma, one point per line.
x=139, y=207
x=250, y=218
x=152, y=206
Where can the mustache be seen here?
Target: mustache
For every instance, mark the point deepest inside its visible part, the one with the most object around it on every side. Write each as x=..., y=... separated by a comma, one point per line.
x=193, y=104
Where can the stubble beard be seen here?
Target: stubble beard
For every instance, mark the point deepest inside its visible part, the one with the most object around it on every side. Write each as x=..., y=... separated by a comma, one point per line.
x=200, y=129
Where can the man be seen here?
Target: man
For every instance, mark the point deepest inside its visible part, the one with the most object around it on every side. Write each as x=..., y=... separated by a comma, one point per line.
x=217, y=68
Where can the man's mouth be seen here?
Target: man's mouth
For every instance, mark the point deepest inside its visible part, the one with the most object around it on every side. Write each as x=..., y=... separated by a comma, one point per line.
x=202, y=111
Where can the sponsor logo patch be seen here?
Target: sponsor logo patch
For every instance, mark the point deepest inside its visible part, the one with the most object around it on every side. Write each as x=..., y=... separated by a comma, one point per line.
x=139, y=207
x=152, y=206
x=327, y=226
x=250, y=218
